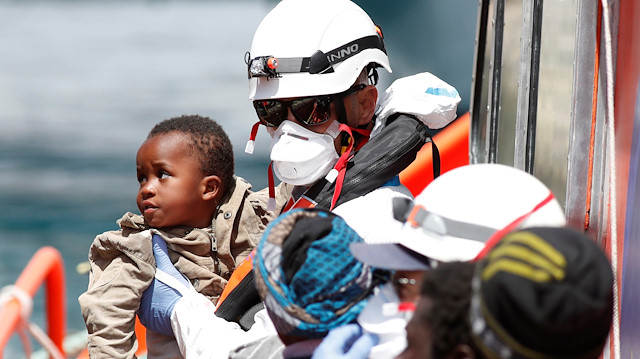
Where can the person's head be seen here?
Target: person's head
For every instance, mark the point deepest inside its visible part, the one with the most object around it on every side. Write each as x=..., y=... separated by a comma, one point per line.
x=543, y=292
x=388, y=311
x=440, y=328
x=306, y=276
x=309, y=69
x=406, y=284
x=455, y=217
x=184, y=167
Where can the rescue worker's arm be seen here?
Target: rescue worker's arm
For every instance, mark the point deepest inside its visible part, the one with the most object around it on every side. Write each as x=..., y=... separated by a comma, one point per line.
x=198, y=331
x=201, y=333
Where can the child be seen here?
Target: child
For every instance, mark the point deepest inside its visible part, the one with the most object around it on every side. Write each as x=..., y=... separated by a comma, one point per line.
x=189, y=198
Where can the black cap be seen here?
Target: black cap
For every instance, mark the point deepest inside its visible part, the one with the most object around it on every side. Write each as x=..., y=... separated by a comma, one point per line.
x=543, y=293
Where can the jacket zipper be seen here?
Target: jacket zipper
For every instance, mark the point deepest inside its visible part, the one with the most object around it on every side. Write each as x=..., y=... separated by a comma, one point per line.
x=214, y=250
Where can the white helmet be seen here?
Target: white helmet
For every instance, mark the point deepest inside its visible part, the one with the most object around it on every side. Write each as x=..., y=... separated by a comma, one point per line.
x=457, y=213
x=312, y=47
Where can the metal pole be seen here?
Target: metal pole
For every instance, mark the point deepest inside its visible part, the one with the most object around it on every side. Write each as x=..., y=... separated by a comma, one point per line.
x=533, y=86
x=476, y=89
x=524, y=79
x=496, y=81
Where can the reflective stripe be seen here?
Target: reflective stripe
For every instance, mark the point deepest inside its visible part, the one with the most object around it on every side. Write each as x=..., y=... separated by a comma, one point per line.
x=439, y=225
x=172, y=282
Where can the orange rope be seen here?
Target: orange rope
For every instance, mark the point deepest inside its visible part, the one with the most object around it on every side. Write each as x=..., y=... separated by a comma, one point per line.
x=594, y=113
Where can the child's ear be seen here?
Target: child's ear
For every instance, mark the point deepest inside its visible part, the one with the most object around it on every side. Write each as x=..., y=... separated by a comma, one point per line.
x=212, y=188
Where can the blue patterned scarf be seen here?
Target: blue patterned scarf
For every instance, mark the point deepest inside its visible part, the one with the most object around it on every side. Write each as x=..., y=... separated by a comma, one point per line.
x=306, y=275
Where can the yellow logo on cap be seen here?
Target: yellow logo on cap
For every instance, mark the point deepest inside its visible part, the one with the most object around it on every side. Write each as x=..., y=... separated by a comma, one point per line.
x=526, y=255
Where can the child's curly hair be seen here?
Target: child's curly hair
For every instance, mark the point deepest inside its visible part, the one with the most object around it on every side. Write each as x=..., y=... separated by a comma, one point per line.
x=209, y=142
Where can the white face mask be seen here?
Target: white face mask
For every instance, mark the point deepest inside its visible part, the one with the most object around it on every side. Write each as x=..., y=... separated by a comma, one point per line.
x=383, y=317
x=300, y=156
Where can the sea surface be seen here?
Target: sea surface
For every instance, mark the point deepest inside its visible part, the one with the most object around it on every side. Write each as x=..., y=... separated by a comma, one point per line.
x=82, y=83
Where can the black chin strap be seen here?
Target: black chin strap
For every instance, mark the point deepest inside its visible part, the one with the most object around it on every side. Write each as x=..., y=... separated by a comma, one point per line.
x=338, y=101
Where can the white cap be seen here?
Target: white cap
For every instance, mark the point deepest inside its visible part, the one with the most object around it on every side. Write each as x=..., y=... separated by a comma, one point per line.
x=456, y=214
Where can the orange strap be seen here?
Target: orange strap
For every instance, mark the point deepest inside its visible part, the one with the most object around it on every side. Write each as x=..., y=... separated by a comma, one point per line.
x=247, y=265
x=497, y=237
x=238, y=274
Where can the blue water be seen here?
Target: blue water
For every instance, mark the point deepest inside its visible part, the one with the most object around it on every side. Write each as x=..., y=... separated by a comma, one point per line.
x=81, y=84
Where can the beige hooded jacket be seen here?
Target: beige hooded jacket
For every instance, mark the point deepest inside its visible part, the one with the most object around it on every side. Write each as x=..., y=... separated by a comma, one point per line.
x=123, y=266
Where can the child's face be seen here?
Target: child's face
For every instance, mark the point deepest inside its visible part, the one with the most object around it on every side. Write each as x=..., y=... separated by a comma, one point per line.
x=172, y=184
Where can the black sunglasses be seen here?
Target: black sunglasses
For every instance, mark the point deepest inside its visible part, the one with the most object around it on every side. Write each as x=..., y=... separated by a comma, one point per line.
x=313, y=110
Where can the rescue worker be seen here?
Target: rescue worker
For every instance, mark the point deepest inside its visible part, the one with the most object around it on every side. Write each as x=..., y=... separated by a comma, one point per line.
x=312, y=84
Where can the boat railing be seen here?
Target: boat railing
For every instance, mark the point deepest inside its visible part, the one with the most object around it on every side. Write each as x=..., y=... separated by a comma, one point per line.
x=45, y=267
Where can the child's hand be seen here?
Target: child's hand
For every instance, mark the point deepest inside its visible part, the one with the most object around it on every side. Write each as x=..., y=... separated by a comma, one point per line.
x=160, y=298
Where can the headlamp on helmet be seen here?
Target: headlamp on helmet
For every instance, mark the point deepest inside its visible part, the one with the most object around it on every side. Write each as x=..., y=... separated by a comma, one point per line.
x=318, y=63
x=262, y=66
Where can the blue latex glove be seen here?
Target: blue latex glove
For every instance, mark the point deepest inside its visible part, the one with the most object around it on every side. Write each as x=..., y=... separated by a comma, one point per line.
x=346, y=342
x=159, y=299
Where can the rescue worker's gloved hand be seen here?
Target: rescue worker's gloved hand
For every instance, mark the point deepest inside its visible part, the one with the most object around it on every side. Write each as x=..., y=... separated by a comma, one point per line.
x=172, y=307
x=159, y=299
x=346, y=342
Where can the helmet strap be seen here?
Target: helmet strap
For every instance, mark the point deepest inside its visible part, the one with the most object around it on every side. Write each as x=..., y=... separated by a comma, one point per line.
x=271, y=203
x=338, y=172
x=341, y=113
x=251, y=144
x=338, y=100
x=319, y=63
x=496, y=237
